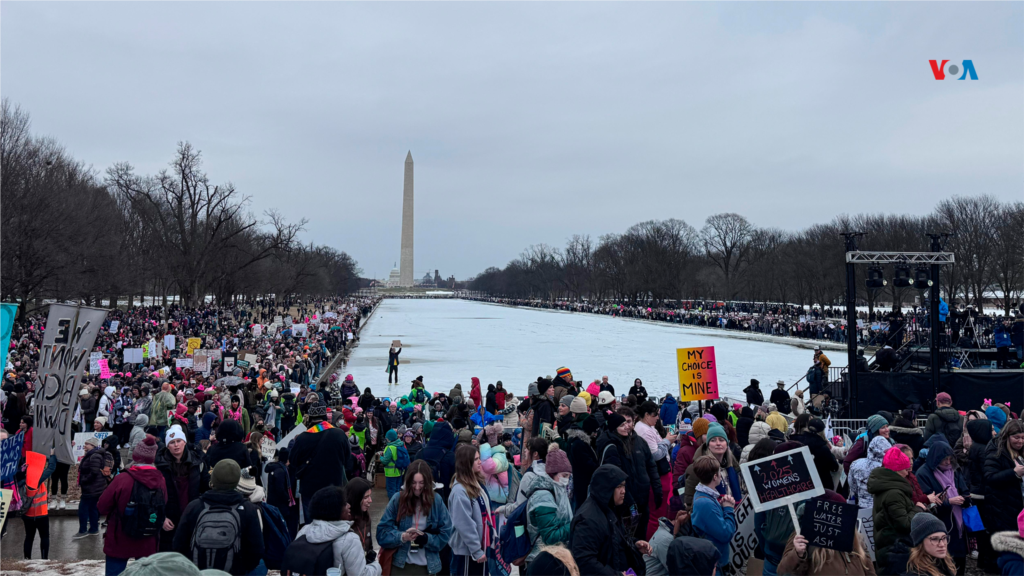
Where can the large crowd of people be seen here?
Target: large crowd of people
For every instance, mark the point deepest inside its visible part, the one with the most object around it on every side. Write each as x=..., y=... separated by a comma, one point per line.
x=273, y=466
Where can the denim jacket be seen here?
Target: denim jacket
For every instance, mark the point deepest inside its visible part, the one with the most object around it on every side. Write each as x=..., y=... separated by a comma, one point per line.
x=390, y=536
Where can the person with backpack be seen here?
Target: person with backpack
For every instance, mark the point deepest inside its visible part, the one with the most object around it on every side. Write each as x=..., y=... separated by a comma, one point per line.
x=395, y=460
x=415, y=526
x=946, y=420
x=319, y=456
x=280, y=493
x=180, y=465
x=329, y=541
x=548, y=509
x=134, y=504
x=289, y=413
x=221, y=529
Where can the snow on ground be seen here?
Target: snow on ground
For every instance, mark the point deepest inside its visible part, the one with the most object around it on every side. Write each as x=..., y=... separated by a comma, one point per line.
x=448, y=341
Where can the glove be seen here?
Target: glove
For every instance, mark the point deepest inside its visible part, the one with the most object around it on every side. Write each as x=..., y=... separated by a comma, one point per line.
x=370, y=556
x=659, y=498
x=421, y=540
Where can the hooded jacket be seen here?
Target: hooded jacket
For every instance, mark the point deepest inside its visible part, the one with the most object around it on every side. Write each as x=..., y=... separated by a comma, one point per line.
x=689, y=555
x=206, y=429
x=138, y=434
x=229, y=446
x=824, y=461
x=112, y=503
x=180, y=490
x=548, y=513
x=90, y=471
x=597, y=538
x=347, y=547
x=669, y=410
x=893, y=509
x=758, y=432
x=946, y=421
x=318, y=459
x=474, y=393
x=251, y=551
x=930, y=484
x=1003, y=500
x=441, y=441
x=861, y=470
x=980, y=432
x=454, y=393
x=583, y=460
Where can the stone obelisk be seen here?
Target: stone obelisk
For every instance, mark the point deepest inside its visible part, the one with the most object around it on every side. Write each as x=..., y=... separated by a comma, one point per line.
x=405, y=275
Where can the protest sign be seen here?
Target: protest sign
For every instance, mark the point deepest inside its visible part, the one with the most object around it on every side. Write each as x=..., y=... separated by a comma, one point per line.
x=698, y=373
x=229, y=362
x=268, y=448
x=133, y=355
x=251, y=358
x=183, y=363
x=300, y=330
x=78, y=444
x=8, y=312
x=278, y=320
x=169, y=341
x=288, y=438
x=744, y=541
x=94, y=362
x=830, y=525
x=294, y=390
x=215, y=354
x=257, y=330
x=114, y=325
x=201, y=361
x=330, y=315
x=35, y=463
x=156, y=350
x=10, y=454
x=243, y=364
x=288, y=320
x=193, y=345
x=782, y=479
x=145, y=350
x=396, y=343
x=5, y=503
x=70, y=334
x=867, y=528
x=349, y=336
x=105, y=372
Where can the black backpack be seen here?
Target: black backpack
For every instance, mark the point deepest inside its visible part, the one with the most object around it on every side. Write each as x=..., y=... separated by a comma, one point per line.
x=289, y=410
x=143, y=516
x=305, y=559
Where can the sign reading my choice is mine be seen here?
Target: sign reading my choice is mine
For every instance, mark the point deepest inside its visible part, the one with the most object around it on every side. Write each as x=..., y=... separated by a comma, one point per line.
x=698, y=373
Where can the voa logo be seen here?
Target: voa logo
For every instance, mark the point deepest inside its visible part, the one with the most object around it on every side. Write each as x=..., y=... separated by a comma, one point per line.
x=948, y=72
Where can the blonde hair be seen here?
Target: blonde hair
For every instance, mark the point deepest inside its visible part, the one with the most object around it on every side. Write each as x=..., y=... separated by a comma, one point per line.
x=822, y=556
x=922, y=562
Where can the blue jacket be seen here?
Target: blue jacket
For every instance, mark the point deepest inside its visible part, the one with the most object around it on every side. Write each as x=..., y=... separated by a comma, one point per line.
x=715, y=523
x=669, y=410
x=390, y=536
x=943, y=310
x=1002, y=337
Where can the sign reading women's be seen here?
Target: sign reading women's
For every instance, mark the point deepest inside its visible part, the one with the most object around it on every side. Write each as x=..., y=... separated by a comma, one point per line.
x=70, y=334
x=698, y=373
x=782, y=479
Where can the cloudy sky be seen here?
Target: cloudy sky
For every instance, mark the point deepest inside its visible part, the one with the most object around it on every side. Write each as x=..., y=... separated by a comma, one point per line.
x=530, y=122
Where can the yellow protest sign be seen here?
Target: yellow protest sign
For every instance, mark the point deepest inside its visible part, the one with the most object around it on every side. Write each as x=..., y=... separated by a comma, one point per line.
x=193, y=345
x=698, y=373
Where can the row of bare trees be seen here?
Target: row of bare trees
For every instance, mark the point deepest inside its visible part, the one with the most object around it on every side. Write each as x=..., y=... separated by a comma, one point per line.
x=70, y=234
x=730, y=258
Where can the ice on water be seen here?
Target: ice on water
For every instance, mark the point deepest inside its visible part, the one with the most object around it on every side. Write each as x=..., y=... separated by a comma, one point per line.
x=449, y=341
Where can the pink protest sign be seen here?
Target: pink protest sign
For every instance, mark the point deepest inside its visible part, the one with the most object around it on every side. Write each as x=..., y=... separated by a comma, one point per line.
x=105, y=369
x=698, y=373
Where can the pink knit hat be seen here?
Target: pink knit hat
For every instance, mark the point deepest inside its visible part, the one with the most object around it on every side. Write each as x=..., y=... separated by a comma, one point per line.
x=1020, y=523
x=895, y=459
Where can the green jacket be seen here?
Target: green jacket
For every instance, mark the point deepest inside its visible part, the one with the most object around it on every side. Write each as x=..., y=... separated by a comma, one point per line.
x=390, y=458
x=894, y=509
x=162, y=402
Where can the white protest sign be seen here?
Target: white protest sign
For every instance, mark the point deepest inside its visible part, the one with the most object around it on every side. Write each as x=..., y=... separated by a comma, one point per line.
x=133, y=355
x=78, y=443
x=301, y=330
x=169, y=341
x=744, y=541
x=201, y=361
x=5, y=503
x=867, y=528
x=295, y=432
x=114, y=324
x=183, y=363
x=257, y=330
x=94, y=362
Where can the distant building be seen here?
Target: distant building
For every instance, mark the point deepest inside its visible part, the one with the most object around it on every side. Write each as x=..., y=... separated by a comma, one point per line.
x=395, y=278
x=427, y=281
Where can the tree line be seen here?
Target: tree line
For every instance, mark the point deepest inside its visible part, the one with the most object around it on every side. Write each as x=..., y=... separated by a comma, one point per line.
x=731, y=259
x=71, y=234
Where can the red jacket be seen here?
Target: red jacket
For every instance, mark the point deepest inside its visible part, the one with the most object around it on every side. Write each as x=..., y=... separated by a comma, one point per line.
x=474, y=393
x=684, y=457
x=112, y=503
x=499, y=399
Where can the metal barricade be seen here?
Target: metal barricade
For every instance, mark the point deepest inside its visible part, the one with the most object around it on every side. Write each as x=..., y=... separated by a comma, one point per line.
x=853, y=426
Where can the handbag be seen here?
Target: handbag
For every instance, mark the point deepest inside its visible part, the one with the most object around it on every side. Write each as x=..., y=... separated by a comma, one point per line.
x=972, y=519
x=386, y=556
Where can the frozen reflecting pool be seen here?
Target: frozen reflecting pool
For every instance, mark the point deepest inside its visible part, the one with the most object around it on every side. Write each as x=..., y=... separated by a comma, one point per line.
x=449, y=341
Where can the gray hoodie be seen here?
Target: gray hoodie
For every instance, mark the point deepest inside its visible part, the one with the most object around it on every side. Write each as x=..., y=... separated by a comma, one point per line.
x=467, y=522
x=348, y=549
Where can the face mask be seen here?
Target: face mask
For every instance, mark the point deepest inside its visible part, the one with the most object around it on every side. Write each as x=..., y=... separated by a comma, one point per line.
x=563, y=481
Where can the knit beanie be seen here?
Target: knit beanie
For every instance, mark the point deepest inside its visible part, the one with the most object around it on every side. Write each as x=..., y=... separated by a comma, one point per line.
x=997, y=417
x=578, y=406
x=246, y=484
x=605, y=398
x=174, y=433
x=716, y=430
x=428, y=427
x=700, y=427
x=563, y=371
x=556, y=462
x=896, y=460
x=924, y=525
x=542, y=386
x=711, y=418
x=567, y=400
x=145, y=451
x=613, y=421
x=391, y=435
x=876, y=423
x=225, y=475
x=590, y=425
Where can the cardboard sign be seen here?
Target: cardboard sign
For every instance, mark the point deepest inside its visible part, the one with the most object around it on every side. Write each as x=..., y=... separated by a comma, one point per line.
x=744, y=541
x=829, y=524
x=78, y=443
x=268, y=448
x=396, y=343
x=295, y=432
x=169, y=341
x=782, y=479
x=10, y=454
x=698, y=373
x=5, y=502
x=201, y=361
x=193, y=345
x=94, y=362
x=867, y=528
x=133, y=355
x=114, y=325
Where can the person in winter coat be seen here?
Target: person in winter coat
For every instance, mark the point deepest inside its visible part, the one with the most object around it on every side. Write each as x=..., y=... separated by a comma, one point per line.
x=229, y=446
x=582, y=457
x=814, y=438
x=946, y=420
x=930, y=554
x=904, y=430
x=803, y=559
x=440, y=442
x=743, y=424
x=239, y=414
x=470, y=511
x=491, y=401
x=455, y=394
x=206, y=429
x=939, y=474
x=893, y=507
x=319, y=456
x=638, y=390
x=877, y=426
x=861, y=471
x=223, y=499
x=758, y=431
x=280, y=493
x=349, y=388
x=543, y=408
x=93, y=471
x=549, y=511
x=181, y=467
x=36, y=514
x=118, y=546
x=780, y=397
x=753, y=392
x=389, y=460
x=416, y=523
x=979, y=434
x=598, y=541
x=688, y=555
x=1009, y=546
x=163, y=402
x=474, y=392
x=330, y=530
x=669, y=410
x=717, y=445
x=1004, y=467
x=137, y=435
x=668, y=530
x=713, y=515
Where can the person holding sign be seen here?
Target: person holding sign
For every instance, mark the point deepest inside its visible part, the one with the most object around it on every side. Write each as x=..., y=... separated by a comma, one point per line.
x=929, y=556
x=713, y=515
x=801, y=558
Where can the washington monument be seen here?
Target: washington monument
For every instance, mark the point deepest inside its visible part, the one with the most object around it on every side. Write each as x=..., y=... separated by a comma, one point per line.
x=405, y=275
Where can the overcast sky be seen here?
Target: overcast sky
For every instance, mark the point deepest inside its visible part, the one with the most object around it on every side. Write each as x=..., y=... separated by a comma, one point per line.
x=530, y=122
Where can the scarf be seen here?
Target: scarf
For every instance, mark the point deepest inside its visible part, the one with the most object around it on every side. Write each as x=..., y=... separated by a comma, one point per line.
x=235, y=415
x=320, y=427
x=947, y=480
